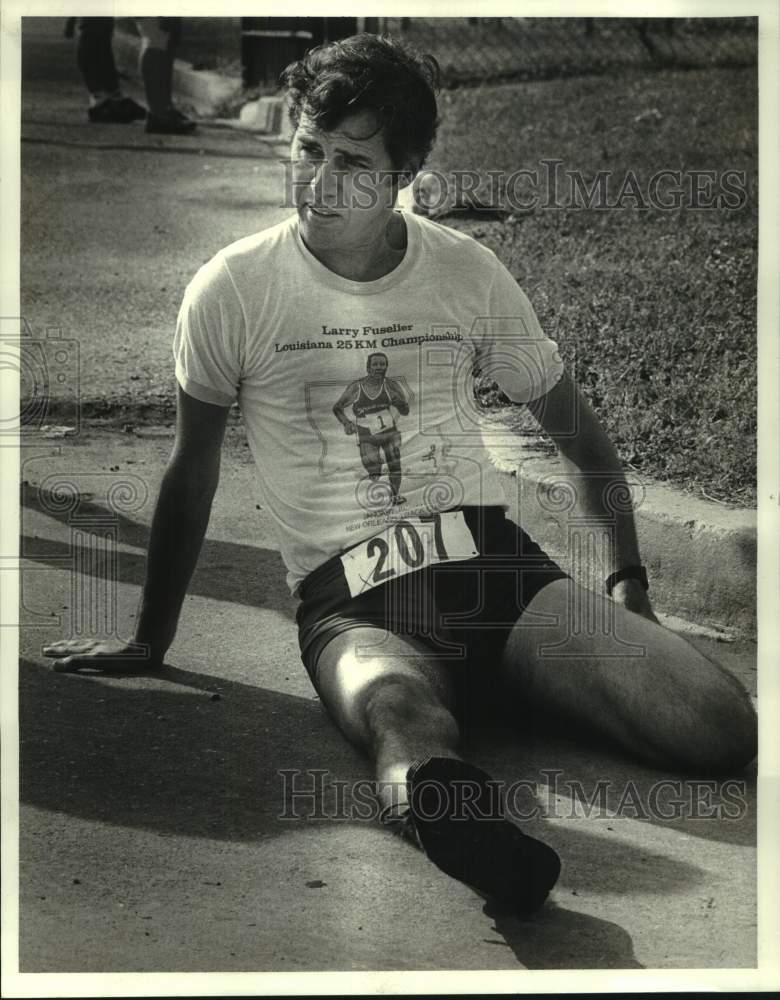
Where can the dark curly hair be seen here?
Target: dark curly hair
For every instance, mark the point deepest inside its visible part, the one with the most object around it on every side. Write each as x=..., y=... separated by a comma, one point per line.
x=370, y=72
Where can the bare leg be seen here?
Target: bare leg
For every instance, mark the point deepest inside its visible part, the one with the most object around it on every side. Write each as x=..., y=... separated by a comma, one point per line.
x=393, y=458
x=371, y=458
x=395, y=703
x=391, y=701
x=634, y=681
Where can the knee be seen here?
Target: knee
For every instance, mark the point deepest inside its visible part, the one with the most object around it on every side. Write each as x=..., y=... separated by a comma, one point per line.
x=724, y=730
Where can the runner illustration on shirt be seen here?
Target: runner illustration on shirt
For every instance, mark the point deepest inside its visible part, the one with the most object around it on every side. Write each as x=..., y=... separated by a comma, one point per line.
x=376, y=402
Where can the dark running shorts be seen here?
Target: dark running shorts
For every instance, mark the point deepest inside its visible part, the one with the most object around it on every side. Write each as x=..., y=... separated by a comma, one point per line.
x=461, y=611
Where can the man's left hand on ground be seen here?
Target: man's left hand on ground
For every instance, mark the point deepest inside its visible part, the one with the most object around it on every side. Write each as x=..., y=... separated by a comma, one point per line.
x=107, y=656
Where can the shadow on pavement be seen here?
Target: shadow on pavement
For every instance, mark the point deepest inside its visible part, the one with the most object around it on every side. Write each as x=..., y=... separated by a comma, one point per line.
x=170, y=757
x=185, y=755
x=188, y=754
x=227, y=571
x=557, y=938
x=719, y=808
x=174, y=758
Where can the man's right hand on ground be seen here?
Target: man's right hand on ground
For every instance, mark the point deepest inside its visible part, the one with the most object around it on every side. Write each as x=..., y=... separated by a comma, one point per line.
x=109, y=656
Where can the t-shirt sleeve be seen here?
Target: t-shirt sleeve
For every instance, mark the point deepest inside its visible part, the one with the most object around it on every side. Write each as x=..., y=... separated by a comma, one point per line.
x=511, y=347
x=210, y=333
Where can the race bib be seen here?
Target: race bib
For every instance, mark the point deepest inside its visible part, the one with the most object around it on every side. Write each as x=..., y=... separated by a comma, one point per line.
x=405, y=546
x=375, y=423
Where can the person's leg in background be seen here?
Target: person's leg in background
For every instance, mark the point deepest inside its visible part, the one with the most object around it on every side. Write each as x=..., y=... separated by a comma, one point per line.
x=173, y=26
x=159, y=36
x=95, y=60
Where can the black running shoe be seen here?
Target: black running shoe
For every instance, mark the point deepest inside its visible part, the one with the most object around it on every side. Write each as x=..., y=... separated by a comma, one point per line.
x=134, y=109
x=459, y=819
x=113, y=111
x=171, y=123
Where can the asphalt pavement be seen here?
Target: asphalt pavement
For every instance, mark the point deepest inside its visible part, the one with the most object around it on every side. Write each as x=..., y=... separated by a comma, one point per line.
x=155, y=826
x=115, y=222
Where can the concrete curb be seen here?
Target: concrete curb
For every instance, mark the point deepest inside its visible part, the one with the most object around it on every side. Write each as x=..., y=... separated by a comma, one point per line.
x=208, y=92
x=700, y=557
x=266, y=115
x=205, y=90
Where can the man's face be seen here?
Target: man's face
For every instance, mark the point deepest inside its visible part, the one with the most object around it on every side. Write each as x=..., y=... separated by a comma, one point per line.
x=342, y=182
x=377, y=366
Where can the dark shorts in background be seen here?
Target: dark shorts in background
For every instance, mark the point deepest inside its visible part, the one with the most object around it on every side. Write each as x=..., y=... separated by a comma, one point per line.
x=461, y=611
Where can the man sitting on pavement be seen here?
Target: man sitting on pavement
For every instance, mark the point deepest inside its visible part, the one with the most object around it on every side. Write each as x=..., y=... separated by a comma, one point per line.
x=396, y=604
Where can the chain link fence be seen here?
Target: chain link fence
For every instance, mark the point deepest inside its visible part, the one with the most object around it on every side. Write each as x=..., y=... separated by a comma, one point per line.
x=478, y=49
x=474, y=50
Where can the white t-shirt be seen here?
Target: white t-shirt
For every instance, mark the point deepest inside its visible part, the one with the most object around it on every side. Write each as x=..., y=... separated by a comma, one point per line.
x=266, y=324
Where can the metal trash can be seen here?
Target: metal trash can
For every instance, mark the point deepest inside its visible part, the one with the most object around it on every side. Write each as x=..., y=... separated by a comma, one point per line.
x=269, y=44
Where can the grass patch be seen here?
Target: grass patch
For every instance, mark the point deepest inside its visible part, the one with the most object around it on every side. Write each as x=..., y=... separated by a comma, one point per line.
x=654, y=310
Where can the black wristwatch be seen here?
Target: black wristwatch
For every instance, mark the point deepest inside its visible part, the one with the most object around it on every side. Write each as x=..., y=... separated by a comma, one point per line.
x=627, y=573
